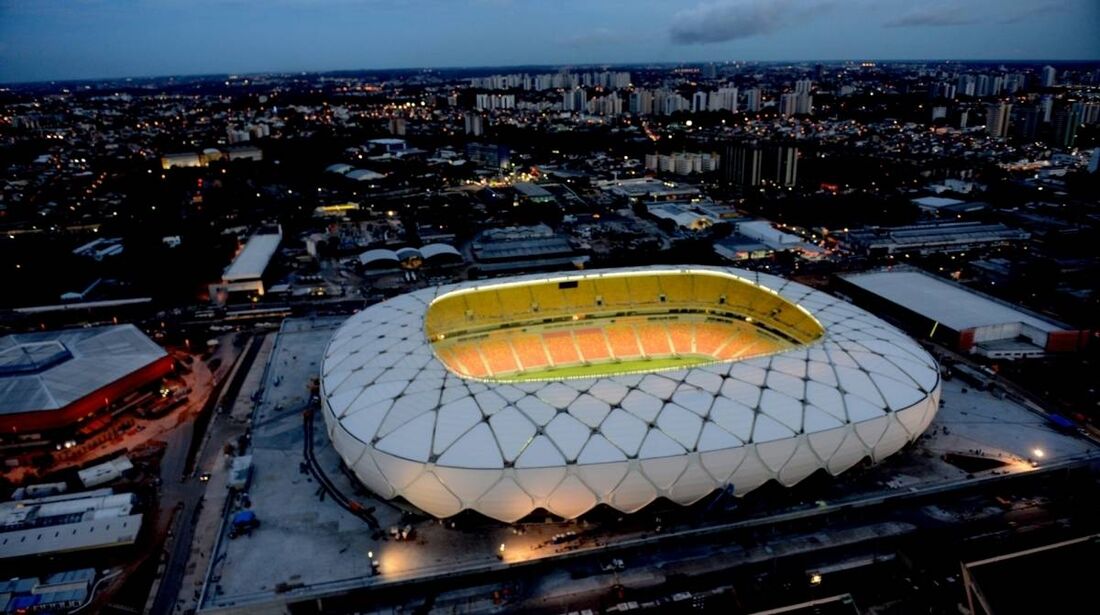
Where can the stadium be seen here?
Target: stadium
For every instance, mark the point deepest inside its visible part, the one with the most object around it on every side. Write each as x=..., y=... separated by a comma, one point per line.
x=565, y=391
x=53, y=380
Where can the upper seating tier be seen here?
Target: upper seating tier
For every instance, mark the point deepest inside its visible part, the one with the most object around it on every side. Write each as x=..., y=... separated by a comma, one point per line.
x=505, y=330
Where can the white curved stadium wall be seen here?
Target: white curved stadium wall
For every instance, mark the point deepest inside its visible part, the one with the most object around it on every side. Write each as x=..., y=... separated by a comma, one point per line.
x=408, y=427
x=569, y=491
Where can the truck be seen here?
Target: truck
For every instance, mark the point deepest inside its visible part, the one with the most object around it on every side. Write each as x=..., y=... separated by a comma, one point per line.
x=977, y=378
x=243, y=523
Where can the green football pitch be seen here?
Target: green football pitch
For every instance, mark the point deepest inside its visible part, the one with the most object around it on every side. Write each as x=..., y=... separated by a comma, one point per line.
x=610, y=368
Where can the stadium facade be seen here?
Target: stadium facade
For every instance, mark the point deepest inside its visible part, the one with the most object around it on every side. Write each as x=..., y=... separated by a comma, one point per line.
x=565, y=391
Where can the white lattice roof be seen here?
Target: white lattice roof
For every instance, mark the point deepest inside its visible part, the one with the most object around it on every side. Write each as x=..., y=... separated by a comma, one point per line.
x=408, y=426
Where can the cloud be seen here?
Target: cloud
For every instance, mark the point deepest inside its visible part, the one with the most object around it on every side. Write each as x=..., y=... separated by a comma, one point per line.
x=965, y=14
x=933, y=16
x=729, y=20
x=1032, y=12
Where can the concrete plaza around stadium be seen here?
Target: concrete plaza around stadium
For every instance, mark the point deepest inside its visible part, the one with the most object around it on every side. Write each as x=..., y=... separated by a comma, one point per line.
x=309, y=546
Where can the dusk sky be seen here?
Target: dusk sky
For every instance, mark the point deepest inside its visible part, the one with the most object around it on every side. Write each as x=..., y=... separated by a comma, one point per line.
x=75, y=39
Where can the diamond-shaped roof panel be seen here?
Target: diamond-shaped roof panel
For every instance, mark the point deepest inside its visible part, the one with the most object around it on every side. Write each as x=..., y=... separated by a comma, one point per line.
x=563, y=440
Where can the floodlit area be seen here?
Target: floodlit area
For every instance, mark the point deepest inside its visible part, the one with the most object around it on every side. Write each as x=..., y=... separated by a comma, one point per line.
x=436, y=425
x=608, y=323
x=309, y=545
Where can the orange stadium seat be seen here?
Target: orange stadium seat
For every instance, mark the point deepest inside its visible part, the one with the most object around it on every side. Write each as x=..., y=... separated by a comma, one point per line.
x=592, y=344
x=690, y=323
x=654, y=339
x=470, y=358
x=734, y=346
x=530, y=350
x=498, y=356
x=681, y=334
x=622, y=340
x=710, y=336
x=559, y=345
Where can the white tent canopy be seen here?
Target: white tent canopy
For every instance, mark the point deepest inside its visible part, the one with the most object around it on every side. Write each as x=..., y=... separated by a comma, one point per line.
x=383, y=257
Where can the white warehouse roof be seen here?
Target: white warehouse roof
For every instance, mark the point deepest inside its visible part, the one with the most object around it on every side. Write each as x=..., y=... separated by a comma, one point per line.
x=433, y=250
x=936, y=202
x=253, y=259
x=408, y=426
x=339, y=168
x=68, y=522
x=363, y=175
x=949, y=304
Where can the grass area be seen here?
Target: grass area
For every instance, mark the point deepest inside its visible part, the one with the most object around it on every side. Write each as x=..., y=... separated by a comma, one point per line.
x=610, y=368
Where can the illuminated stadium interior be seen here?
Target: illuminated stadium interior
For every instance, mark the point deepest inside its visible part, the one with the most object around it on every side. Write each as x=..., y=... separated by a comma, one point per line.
x=839, y=385
x=611, y=324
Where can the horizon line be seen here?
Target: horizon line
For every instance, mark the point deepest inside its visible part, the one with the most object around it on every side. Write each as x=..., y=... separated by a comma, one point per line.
x=7, y=84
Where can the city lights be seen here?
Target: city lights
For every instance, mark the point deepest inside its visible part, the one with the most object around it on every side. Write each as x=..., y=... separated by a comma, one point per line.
x=550, y=332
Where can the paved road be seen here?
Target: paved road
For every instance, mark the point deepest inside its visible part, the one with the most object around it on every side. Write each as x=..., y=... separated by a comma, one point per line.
x=189, y=493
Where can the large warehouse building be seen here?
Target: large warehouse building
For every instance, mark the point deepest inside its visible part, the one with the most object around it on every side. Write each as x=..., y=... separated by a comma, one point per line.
x=562, y=392
x=68, y=522
x=962, y=318
x=931, y=238
x=54, y=379
x=244, y=277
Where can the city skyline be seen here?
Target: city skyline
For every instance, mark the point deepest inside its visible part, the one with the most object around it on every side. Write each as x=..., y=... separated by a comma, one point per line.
x=106, y=40
x=569, y=323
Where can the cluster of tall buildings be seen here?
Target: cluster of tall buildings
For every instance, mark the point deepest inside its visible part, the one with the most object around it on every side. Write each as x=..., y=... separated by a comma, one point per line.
x=1088, y=111
x=493, y=102
x=610, y=93
x=798, y=102
x=758, y=163
x=611, y=104
x=1031, y=121
x=722, y=99
x=474, y=124
x=1065, y=125
x=663, y=101
x=983, y=85
x=660, y=101
x=615, y=80
x=575, y=99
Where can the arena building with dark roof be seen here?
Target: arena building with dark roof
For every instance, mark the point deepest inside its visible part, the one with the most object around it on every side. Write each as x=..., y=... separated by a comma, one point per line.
x=53, y=379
